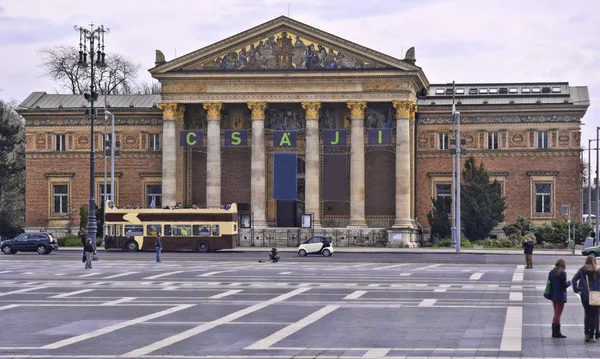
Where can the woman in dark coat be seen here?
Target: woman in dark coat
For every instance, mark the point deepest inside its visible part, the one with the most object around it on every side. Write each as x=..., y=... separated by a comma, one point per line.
x=589, y=272
x=559, y=285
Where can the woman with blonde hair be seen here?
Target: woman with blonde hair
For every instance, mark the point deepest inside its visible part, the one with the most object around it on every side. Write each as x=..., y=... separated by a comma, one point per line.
x=558, y=295
x=586, y=279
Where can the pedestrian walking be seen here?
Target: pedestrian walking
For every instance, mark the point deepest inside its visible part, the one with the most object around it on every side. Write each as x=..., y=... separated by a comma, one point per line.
x=558, y=294
x=83, y=236
x=158, y=245
x=88, y=250
x=528, y=250
x=587, y=278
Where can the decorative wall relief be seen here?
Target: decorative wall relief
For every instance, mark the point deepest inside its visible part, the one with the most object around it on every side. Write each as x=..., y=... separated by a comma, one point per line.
x=82, y=142
x=130, y=142
x=284, y=119
x=563, y=138
x=517, y=140
x=235, y=119
x=554, y=136
x=282, y=50
x=423, y=140
x=576, y=138
x=380, y=118
x=482, y=138
x=468, y=137
x=40, y=141
x=194, y=117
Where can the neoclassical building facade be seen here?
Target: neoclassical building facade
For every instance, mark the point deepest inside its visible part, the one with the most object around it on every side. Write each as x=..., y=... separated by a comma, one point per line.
x=368, y=133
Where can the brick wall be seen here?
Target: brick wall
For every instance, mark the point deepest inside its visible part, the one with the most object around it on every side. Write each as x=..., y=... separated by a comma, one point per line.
x=380, y=182
x=235, y=175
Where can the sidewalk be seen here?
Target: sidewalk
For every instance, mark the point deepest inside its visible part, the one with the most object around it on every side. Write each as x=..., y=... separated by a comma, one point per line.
x=428, y=250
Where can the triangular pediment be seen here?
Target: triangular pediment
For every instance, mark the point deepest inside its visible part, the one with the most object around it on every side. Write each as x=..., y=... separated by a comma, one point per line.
x=282, y=44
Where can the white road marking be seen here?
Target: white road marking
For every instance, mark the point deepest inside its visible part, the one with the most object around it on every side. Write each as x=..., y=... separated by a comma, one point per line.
x=442, y=288
x=356, y=294
x=10, y=306
x=515, y=296
x=377, y=353
x=427, y=303
x=476, y=276
x=114, y=327
x=64, y=295
x=89, y=274
x=518, y=275
x=388, y=267
x=292, y=328
x=213, y=273
x=405, y=274
x=119, y=275
x=285, y=273
x=207, y=326
x=6, y=271
x=118, y=301
x=18, y=291
x=163, y=274
x=512, y=335
x=226, y=294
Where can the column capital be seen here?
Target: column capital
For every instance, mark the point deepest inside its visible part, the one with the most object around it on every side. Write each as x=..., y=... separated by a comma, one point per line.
x=357, y=109
x=172, y=111
x=312, y=110
x=405, y=109
x=213, y=110
x=258, y=109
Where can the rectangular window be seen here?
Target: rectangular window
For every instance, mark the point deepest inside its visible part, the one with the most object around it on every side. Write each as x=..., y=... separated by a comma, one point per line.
x=543, y=198
x=152, y=229
x=154, y=142
x=134, y=230
x=61, y=198
x=107, y=144
x=154, y=196
x=101, y=196
x=442, y=141
x=202, y=230
x=216, y=230
x=443, y=190
x=183, y=230
x=167, y=230
x=492, y=140
x=542, y=140
x=60, y=143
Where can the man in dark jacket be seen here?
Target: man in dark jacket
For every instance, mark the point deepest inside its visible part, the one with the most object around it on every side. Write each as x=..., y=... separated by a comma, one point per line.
x=158, y=244
x=528, y=250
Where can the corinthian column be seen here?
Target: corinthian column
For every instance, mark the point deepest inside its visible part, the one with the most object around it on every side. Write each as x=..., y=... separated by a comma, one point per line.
x=357, y=167
x=404, y=114
x=311, y=178
x=172, y=113
x=257, y=167
x=213, y=154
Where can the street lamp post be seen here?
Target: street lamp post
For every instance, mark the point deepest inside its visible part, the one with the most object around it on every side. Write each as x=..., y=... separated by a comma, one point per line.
x=597, y=191
x=112, y=156
x=89, y=36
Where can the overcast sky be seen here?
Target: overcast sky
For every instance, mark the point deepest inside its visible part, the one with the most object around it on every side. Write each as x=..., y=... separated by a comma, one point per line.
x=461, y=40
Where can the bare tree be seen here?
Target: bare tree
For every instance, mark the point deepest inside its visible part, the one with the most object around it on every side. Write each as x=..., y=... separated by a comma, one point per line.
x=146, y=88
x=60, y=64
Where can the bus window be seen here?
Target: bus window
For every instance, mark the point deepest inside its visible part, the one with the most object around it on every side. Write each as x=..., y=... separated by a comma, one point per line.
x=234, y=228
x=167, y=230
x=182, y=230
x=152, y=229
x=134, y=230
x=215, y=230
x=202, y=230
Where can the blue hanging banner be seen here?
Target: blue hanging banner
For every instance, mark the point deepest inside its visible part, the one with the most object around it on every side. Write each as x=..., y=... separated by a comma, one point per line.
x=285, y=139
x=191, y=138
x=334, y=137
x=237, y=138
x=285, y=186
x=379, y=136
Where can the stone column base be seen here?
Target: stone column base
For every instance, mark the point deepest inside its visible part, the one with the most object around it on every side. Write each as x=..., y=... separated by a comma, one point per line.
x=408, y=237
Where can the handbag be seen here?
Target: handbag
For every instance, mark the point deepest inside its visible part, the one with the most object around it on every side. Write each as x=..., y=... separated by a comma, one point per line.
x=594, y=296
x=548, y=290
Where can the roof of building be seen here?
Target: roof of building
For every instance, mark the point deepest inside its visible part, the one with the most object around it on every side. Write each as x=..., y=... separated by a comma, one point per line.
x=42, y=100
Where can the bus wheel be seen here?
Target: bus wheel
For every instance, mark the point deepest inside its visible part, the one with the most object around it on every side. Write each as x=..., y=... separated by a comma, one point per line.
x=202, y=247
x=132, y=246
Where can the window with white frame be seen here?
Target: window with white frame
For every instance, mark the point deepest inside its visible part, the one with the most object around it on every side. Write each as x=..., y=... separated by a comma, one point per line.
x=154, y=195
x=442, y=141
x=60, y=194
x=492, y=140
x=543, y=198
x=101, y=196
x=155, y=142
x=61, y=145
x=542, y=140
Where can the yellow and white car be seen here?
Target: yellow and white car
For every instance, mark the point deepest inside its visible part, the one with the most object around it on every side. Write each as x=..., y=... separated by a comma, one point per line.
x=316, y=245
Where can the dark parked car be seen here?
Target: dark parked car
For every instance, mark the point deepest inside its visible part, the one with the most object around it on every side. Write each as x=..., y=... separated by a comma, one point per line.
x=40, y=242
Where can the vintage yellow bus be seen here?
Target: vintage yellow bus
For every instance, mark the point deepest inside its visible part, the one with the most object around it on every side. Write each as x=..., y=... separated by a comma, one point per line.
x=182, y=229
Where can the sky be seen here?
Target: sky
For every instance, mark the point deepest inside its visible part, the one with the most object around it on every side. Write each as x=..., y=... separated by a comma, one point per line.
x=462, y=40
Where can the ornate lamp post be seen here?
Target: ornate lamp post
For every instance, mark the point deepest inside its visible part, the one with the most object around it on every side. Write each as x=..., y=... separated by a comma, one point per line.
x=91, y=35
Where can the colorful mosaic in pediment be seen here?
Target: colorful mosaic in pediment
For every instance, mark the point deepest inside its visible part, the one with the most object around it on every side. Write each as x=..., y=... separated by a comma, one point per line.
x=284, y=50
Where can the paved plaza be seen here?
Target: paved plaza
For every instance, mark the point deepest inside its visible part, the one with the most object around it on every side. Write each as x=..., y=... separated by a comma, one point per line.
x=191, y=308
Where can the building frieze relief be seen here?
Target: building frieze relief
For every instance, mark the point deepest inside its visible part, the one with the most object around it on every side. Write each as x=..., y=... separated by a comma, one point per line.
x=288, y=97
x=500, y=153
x=67, y=122
x=86, y=155
x=499, y=119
